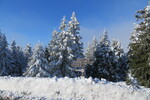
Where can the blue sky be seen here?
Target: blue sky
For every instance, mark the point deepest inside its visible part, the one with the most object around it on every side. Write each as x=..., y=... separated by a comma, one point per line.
x=30, y=21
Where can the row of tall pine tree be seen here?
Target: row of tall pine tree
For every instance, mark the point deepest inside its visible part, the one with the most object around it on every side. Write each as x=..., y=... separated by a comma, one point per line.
x=108, y=58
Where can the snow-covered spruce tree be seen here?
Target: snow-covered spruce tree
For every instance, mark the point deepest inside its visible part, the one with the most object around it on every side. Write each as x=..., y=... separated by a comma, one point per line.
x=38, y=65
x=75, y=38
x=27, y=55
x=28, y=52
x=121, y=57
x=21, y=60
x=13, y=49
x=6, y=64
x=105, y=63
x=139, y=48
x=62, y=53
x=91, y=49
x=53, y=49
x=18, y=59
x=89, y=55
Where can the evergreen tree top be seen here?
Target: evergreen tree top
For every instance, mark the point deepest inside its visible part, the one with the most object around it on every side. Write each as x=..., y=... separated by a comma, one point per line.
x=143, y=14
x=54, y=34
x=3, y=41
x=38, y=51
x=28, y=47
x=74, y=22
x=143, y=27
x=93, y=43
x=104, y=39
x=13, y=43
x=13, y=46
x=73, y=17
x=28, y=50
x=63, y=23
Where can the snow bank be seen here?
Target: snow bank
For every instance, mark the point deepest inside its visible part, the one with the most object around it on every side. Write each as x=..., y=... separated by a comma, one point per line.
x=76, y=88
x=8, y=95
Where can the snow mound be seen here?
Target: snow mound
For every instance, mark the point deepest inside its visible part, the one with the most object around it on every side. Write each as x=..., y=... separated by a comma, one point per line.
x=70, y=88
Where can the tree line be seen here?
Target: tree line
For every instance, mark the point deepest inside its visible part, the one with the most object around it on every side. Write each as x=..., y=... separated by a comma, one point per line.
x=108, y=57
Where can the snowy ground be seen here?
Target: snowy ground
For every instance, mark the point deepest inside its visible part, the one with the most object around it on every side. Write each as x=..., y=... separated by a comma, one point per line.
x=66, y=88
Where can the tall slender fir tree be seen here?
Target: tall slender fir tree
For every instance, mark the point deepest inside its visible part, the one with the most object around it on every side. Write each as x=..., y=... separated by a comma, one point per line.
x=6, y=64
x=122, y=60
x=139, y=48
x=105, y=63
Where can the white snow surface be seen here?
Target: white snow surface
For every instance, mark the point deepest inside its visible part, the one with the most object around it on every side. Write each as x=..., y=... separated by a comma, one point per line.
x=66, y=88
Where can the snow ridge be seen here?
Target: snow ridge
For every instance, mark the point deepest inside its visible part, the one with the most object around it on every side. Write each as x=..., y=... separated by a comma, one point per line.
x=71, y=88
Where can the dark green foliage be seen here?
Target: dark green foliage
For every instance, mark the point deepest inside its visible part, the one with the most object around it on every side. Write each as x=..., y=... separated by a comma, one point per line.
x=122, y=60
x=6, y=64
x=47, y=54
x=105, y=64
x=110, y=61
x=139, y=49
x=19, y=60
x=123, y=67
x=91, y=71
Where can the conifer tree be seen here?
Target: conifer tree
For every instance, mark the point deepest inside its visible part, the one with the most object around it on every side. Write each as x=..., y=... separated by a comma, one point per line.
x=62, y=53
x=38, y=65
x=28, y=52
x=89, y=69
x=122, y=60
x=65, y=47
x=27, y=55
x=6, y=65
x=139, y=48
x=18, y=59
x=21, y=60
x=73, y=31
x=105, y=63
x=91, y=50
x=53, y=49
x=13, y=48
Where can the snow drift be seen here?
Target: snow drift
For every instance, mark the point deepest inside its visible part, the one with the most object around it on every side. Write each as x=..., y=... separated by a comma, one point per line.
x=67, y=88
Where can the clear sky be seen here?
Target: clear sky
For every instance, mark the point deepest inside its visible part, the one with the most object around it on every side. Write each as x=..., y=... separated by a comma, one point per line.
x=30, y=21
